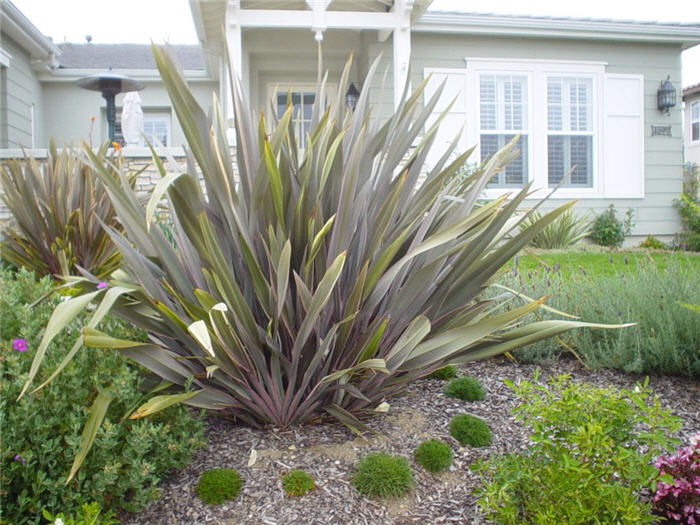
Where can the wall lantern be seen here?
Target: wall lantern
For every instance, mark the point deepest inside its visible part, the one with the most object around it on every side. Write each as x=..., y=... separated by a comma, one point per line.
x=666, y=96
x=352, y=96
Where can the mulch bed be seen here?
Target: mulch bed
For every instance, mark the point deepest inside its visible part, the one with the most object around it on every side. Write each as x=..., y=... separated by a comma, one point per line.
x=329, y=452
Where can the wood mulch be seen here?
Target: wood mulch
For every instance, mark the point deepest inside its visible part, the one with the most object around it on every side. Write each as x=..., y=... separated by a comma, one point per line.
x=329, y=452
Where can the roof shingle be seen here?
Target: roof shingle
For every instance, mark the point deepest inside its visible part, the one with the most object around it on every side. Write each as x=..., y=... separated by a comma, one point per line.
x=124, y=56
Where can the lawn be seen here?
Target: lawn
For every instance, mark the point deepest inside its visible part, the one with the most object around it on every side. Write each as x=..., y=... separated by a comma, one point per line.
x=602, y=263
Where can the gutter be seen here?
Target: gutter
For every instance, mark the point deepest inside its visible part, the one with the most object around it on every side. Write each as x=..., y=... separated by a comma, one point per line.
x=687, y=35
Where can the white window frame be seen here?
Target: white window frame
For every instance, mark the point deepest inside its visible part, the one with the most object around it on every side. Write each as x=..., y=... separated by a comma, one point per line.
x=297, y=87
x=569, y=133
x=502, y=131
x=148, y=113
x=159, y=115
x=694, y=104
x=539, y=71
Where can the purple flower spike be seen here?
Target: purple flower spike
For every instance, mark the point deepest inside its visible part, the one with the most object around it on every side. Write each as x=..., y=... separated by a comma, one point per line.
x=19, y=344
x=101, y=285
x=19, y=458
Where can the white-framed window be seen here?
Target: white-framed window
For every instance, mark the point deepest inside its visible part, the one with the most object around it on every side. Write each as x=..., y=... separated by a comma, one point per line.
x=157, y=127
x=570, y=131
x=695, y=121
x=503, y=114
x=302, y=96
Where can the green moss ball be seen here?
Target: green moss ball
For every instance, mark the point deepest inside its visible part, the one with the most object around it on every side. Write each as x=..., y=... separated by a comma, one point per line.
x=444, y=373
x=297, y=483
x=465, y=388
x=218, y=485
x=433, y=455
x=470, y=430
x=380, y=475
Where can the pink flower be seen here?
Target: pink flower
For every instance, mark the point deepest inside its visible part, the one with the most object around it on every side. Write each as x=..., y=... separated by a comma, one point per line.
x=101, y=285
x=19, y=344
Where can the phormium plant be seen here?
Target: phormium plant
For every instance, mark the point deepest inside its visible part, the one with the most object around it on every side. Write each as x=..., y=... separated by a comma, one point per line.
x=57, y=207
x=315, y=282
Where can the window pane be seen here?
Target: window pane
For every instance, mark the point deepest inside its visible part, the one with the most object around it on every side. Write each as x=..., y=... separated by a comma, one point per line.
x=281, y=104
x=696, y=131
x=695, y=111
x=555, y=159
x=554, y=104
x=565, y=152
x=515, y=173
x=513, y=103
x=488, y=102
x=579, y=104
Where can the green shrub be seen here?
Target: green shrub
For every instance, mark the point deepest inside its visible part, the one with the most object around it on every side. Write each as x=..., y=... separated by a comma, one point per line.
x=297, y=483
x=444, y=373
x=55, y=212
x=608, y=230
x=470, y=430
x=665, y=339
x=465, y=388
x=219, y=485
x=590, y=461
x=652, y=243
x=565, y=231
x=434, y=455
x=380, y=475
x=689, y=207
x=43, y=430
x=89, y=514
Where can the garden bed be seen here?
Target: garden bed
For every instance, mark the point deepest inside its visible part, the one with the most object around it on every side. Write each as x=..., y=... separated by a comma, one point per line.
x=329, y=453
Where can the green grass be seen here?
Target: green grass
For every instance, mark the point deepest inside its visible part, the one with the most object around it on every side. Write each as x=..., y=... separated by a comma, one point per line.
x=599, y=262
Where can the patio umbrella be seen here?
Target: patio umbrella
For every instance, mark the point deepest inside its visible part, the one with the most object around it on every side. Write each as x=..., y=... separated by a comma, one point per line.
x=132, y=119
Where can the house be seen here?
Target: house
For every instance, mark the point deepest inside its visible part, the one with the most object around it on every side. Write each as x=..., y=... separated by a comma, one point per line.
x=691, y=119
x=578, y=92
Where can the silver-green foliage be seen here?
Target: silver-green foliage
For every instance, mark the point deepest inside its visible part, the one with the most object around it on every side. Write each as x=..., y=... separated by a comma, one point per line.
x=313, y=282
x=563, y=232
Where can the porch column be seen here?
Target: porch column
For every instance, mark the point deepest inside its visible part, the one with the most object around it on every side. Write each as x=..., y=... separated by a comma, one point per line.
x=234, y=43
x=402, y=46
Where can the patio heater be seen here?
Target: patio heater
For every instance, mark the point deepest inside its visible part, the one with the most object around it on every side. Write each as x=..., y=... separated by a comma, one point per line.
x=110, y=85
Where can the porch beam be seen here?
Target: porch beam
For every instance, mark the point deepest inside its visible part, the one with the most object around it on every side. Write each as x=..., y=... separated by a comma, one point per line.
x=280, y=18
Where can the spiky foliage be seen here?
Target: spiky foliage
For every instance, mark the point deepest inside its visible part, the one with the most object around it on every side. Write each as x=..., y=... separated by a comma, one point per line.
x=444, y=373
x=565, y=231
x=465, y=388
x=381, y=475
x=470, y=430
x=57, y=207
x=219, y=485
x=433, y=455
x=311, y=283
x=297, y=483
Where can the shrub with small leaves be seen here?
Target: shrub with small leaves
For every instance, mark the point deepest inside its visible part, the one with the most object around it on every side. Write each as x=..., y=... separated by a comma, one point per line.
x=583, y=466
x=465, y=388
x=652, y=243
x=444, y=373
x=434, y=455
x=218, y=485
x=380, y=475
x=297, y=483
x=41, y=432
x=608, y=230
x=677, y=495
x=470, y=430
x=89, y=514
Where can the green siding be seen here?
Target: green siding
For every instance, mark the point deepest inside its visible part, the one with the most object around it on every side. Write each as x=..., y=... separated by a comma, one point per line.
x=21, y=90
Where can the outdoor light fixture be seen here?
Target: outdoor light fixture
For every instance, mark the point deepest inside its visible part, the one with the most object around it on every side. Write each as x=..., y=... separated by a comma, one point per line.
x=352, y=96
x=666, y=96
x=110, y=85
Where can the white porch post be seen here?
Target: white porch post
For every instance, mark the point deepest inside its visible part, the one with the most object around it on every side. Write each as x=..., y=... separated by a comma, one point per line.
x=234, y=43
x=402, y=46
